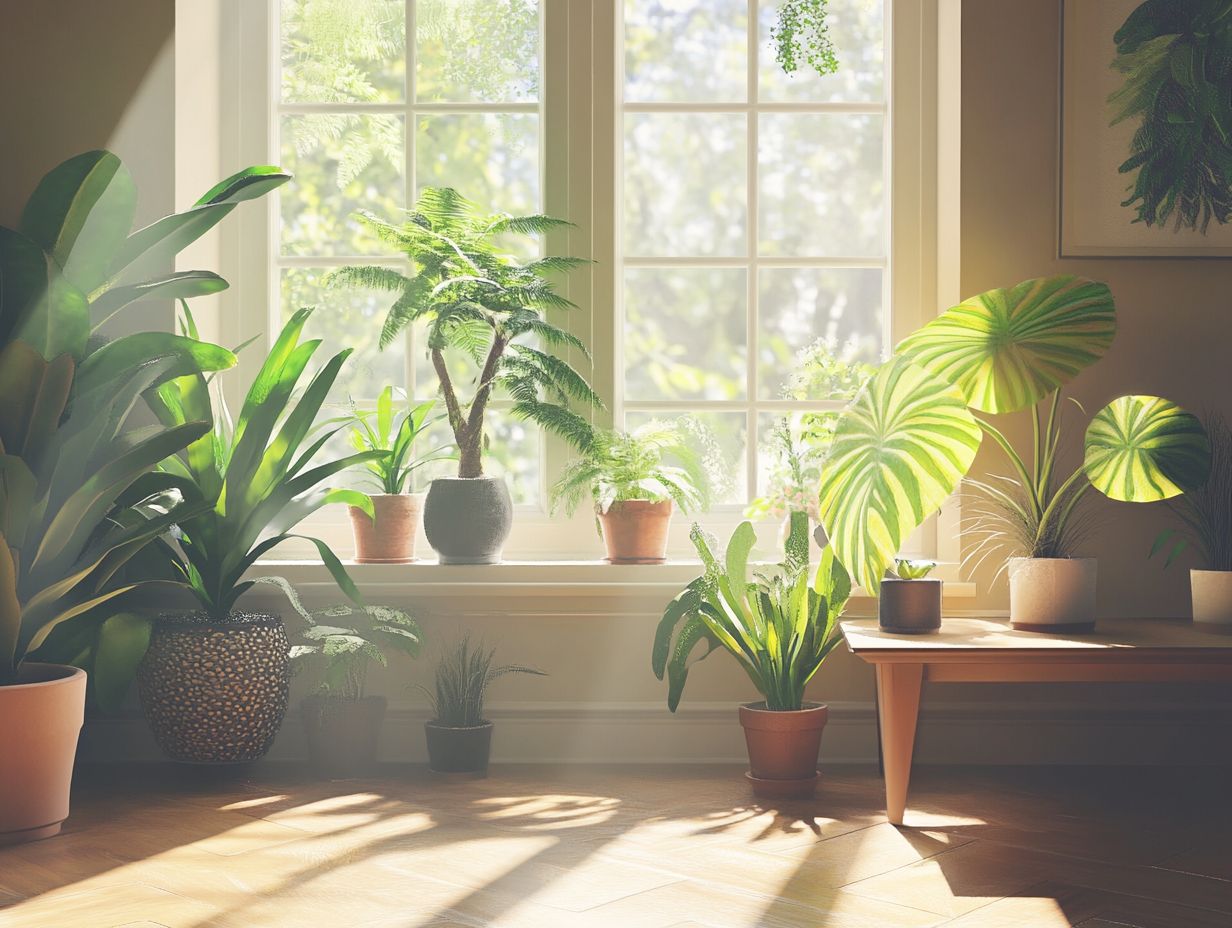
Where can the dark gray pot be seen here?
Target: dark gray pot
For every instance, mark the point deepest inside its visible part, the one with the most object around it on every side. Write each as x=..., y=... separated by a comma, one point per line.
x=910, y=607
x=467, y=519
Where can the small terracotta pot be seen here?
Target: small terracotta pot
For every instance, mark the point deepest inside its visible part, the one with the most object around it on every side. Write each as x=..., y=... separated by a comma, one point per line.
x=635, y=531
x=344, y=735
x=391, y=538
x=909, y=607
x=1054, y=595
x=783, y=748
x=40, y=719
x=459, y=750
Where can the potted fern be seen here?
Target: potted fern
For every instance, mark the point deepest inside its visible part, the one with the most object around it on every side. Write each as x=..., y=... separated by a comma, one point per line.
x=459, y=737
x=910, y=601
x=482, y=304
x=635, y=480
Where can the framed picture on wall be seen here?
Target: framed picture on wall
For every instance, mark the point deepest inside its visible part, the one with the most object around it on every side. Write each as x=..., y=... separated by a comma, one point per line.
x=1146, y=128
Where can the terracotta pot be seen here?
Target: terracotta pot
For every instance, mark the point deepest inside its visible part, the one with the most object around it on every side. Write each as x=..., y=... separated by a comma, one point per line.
x=344, y=735
x=909, y=607
x=783, y=748
x=1212, y=598
x=635, y=531
x=40, y=718
x=459, y=750
x=215, y=692
x=1053, y=594
x=467, y=519
x=391, y=538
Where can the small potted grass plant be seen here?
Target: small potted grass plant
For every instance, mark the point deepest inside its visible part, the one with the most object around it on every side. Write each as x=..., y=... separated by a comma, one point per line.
x=636, y=479
x=780, y=626
x=910, y=602
x=388, y=535
x=459, y=737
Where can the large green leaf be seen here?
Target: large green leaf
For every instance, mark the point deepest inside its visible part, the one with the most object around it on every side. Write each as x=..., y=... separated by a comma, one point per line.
x=34, y=393
x=10, y=612
x=122, y=642
x=1009, y=348
x=186, y=356
x=23, y=278
x=1140, y=449
x=899, y=450
x=182, y=285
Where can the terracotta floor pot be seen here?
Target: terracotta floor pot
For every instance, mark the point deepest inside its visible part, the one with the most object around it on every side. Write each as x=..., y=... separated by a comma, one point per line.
x=783, y=748
x=391, y=538
x=215, y=692
x=635, y=531
x=909, y=607
x=1055, y=595
x=40, y=719
x=459, y=750
x=344, y=735
x=1212, y=598
x=467, y=519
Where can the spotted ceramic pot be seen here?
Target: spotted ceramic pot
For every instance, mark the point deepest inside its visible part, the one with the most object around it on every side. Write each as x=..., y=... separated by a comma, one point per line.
x=215, y=692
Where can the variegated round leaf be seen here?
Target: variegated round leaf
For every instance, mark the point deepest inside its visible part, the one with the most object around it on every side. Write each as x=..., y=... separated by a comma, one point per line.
x=1141, y=449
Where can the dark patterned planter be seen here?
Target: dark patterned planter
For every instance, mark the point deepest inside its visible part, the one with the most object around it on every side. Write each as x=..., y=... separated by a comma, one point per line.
x=215, y=692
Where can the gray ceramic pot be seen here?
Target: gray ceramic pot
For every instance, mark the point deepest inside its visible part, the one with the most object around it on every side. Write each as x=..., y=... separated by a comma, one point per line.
x=467, y=519
x=910, y=607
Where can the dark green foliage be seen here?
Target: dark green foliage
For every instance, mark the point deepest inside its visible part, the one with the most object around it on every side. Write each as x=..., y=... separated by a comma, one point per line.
x=462, y=679
x=1206, y=513
x=802, y=31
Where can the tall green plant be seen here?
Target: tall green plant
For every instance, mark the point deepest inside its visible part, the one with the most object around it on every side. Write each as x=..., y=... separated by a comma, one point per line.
x=476, y=299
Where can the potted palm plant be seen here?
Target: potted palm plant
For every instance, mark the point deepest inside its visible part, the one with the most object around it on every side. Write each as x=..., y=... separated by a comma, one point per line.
x=780, y=627
x=388, y=536
x=487, y=307
x=459, y=737
x=214, y=681
x=910, y=437
x=342, y=723
x=910, y=601
x=635, y=480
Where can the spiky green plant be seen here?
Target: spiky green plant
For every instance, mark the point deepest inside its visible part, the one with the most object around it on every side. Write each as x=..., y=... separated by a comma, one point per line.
x=488, y=305
x=377, y=430
x=908, y=569
x=463, y=676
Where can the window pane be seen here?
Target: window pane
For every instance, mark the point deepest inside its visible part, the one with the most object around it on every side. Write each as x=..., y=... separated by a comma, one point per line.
x=857, y=29
x=476, y=51
x=343, y=51
x=685, y=333
x=799, y=307
x=822, y=189
x=684, y=184
x=342, y=163
x=686, y=50
x=491, y=158
x=729, y=432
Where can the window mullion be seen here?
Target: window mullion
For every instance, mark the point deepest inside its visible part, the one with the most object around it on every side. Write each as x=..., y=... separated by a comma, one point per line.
x=408, y=176
x=751, y=272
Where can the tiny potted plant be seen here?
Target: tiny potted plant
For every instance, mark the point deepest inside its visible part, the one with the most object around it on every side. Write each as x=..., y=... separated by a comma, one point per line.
x=459, y=737
x=388, y=535
x=780, y=627
x=910, y=601
x=341, y=722
x=635, y=480
x=487, y=309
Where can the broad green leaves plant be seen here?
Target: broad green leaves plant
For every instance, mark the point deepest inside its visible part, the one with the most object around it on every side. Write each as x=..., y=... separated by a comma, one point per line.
x=1142, y=449
x=394, y=440
x=343, y=642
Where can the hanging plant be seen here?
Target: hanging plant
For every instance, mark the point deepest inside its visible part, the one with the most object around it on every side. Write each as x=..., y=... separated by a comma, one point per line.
x=802, y=33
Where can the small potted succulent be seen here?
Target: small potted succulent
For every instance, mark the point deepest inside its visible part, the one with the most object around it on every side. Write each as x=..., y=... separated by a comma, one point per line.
x=388, y=535
x=635, y=480
x=459, y=737
x=910, y=601
x=780, y=627
x=341, y=722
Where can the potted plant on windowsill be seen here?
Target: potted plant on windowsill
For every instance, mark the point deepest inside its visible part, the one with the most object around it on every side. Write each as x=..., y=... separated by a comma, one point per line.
x=780, y=628
x=911, y=436
x=341, y=722
x=910, y=601
x=634, y=488
x=486, y=306
x=459, y=737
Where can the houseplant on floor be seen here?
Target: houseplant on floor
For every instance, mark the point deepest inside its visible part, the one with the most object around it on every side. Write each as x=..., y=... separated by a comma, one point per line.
x=484, y=307
x=780, y=628
x=635, y=480
x=910, y=600
x=214, y=681
x=459, y=737
x=910, y=437
x=342, y=724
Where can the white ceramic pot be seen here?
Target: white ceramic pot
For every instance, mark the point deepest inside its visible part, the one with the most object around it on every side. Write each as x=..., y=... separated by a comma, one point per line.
x=1053, y=594
x=1212, y=597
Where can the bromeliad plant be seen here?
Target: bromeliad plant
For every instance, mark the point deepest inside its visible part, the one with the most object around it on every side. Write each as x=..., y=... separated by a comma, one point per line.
x=779, y=627
x=379, y=431
x=479, y=301
x=912, y=434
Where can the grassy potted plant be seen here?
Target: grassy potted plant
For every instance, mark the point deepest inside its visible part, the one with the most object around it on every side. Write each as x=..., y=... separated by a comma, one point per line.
x=342, y=723
x=388, y=535
x=910, y=601
x=910, y=437
x=214, y=680
x=635, y=480
x=489, y=308
x=780, y=627
x=459, y=737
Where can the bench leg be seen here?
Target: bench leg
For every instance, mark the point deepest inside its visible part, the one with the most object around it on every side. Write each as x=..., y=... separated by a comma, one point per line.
x=898, y=707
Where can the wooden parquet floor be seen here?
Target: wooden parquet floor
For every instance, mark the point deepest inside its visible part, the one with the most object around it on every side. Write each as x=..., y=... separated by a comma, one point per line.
x=631, y=847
